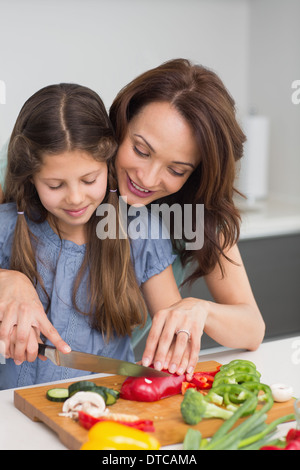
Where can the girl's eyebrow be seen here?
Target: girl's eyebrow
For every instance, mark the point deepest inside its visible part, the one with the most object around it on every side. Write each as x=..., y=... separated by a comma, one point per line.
x=152, y=149
x=83, y=176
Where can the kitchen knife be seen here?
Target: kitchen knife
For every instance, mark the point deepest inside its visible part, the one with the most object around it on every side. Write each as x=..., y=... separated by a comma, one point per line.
x=97, y=364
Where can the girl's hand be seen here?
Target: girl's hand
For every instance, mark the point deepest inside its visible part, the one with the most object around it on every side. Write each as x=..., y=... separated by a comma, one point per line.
x=20, y=310
x=176, y=352
x=31, y=347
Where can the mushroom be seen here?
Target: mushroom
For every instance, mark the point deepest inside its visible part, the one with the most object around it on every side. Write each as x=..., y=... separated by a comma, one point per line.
x=84, y=401
x=281, y=392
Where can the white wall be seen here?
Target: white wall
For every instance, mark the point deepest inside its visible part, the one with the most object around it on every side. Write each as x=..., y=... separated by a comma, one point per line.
x=105, y=43
x=274, y=65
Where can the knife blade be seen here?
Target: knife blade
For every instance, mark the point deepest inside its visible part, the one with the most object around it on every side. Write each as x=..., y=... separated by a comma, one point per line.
x=97, y=364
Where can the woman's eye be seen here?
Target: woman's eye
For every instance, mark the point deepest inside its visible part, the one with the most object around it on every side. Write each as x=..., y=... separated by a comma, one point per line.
x=176, y=173
x=140, y=153
x=55, y=187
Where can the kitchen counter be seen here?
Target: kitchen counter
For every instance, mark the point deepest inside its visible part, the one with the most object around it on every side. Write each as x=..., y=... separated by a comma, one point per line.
x=278, y=361
x=269, y=218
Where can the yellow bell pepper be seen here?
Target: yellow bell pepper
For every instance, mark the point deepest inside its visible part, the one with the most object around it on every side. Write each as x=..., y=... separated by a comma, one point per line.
x=107, y=435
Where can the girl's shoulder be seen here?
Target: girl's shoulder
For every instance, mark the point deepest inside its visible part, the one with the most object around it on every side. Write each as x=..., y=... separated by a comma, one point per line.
x=8, y=214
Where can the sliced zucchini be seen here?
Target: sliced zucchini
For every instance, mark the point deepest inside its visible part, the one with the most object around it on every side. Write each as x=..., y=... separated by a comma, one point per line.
x=82, y=386
x=58, y=394
x=110, y=396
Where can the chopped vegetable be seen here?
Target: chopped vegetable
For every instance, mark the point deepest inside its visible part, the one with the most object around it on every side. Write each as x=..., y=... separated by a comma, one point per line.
x=292, y=442
x=203, y=380
x=57, y=394
x=281, y=392
x=109, y=395
x=87, y=421
x=83, y=401
x=185, y=386
x=107, y=435
x=151, y=389
x=195, y=407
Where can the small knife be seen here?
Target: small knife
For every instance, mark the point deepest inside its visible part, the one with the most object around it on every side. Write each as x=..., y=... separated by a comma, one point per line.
x=97, y=364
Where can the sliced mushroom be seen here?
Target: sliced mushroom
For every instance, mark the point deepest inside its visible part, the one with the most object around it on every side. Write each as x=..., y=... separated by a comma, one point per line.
x=83, y=400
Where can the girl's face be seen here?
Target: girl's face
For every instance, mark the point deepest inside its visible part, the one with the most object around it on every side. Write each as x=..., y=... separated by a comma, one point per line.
x=71, y=185
x=157, y=156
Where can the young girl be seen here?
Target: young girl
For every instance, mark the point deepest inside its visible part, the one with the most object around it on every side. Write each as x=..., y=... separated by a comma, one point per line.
x=59, y=154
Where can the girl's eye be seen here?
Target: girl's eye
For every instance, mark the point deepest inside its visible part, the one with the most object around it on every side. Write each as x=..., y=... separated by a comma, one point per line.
x=55, y=187
x=89, y=182
x=140, y=153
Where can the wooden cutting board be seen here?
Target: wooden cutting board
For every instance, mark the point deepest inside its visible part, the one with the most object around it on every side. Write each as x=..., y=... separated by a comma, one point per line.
x=169, y=425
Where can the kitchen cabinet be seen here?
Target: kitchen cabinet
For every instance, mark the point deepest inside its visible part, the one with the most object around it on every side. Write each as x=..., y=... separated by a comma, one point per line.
x=273, y=268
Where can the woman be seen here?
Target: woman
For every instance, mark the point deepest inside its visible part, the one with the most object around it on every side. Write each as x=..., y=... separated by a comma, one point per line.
x=178, y=143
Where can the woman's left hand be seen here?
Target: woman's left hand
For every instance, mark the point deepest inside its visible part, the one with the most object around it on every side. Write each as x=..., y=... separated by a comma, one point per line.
x=174, y=339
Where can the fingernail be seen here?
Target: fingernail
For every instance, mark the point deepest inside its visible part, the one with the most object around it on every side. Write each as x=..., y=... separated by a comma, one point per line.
x=157, y=365
x=67, y=349
x=172, y=368
x=18, y=363
x=180, y=371
x=146, y=361
x=190, y=370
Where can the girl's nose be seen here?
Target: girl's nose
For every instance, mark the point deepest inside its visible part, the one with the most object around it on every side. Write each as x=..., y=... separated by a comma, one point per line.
x=74, y=197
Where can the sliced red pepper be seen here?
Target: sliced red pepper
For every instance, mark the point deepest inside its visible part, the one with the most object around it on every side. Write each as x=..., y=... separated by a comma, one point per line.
x=203, y=380
x=151, y=389
x=293, y=435
x=87, y=421
x=185, y=386
x=271, y=448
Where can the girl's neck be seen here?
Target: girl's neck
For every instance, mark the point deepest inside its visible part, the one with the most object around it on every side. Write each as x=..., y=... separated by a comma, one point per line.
x=74, y=234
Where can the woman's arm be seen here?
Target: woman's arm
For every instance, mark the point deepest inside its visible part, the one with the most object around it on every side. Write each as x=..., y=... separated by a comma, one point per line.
x=233, y=320
x=171, y=313
x=20, y=311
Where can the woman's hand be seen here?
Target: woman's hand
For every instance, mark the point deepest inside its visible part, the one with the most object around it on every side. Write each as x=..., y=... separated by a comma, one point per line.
x=177, y=352
x=23, y=318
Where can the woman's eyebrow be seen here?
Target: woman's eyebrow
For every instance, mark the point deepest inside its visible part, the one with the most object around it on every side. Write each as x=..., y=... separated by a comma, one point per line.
x=185, y=163
x=151, y=148
x=146, y=142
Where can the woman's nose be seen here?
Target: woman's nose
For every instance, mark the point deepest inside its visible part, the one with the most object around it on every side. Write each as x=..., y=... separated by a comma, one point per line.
x=149, y=177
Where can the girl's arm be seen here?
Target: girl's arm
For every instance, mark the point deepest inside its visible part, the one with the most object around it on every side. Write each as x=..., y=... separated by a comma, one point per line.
x=20, y=311
x=233, y=320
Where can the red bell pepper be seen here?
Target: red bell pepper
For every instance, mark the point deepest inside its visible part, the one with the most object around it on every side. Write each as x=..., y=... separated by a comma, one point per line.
x=203, y=380
x=185, y=386
x=151, y=389
x=292, y=441
x=87, y=421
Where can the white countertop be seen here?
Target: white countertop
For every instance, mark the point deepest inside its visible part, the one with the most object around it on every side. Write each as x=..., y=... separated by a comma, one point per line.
x=277, y=361
x=269, y=218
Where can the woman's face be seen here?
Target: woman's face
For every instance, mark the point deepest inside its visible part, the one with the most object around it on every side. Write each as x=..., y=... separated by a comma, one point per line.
x=157, y=155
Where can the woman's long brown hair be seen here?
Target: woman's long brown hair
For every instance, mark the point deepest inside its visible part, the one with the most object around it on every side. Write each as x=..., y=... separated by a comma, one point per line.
x=56, y=119
x=199, y=95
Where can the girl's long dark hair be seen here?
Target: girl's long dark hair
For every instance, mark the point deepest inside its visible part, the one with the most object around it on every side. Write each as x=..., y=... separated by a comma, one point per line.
x=56, y=119
x=199, y=95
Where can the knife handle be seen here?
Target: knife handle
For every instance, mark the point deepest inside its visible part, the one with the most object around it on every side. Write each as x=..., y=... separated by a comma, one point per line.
x=42, y=349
